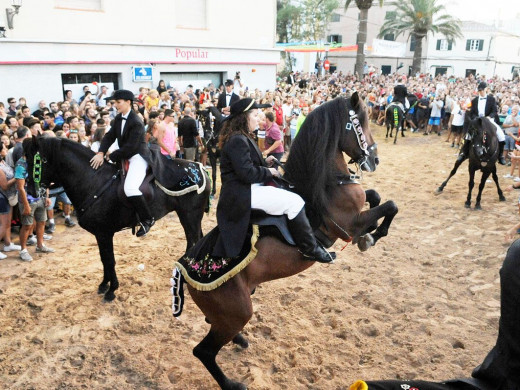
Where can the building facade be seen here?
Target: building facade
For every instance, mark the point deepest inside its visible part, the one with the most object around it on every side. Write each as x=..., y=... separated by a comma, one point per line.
x=344, y=29
x=65, y=44
x=483, y=50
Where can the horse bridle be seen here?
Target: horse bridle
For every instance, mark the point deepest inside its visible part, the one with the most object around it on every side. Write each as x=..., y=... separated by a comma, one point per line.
x=355, y=123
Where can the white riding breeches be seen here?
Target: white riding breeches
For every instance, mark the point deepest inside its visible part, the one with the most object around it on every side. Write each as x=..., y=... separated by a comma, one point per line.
x=135, y=175
x=275, y=201
x=500, y=133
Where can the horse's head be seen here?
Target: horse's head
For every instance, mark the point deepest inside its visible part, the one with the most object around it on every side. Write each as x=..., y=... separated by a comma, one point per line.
x=38, y=170
x=356, y=141
x=484, y=141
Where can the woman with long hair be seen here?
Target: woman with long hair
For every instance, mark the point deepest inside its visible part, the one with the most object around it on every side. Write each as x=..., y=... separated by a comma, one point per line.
x=243, y=174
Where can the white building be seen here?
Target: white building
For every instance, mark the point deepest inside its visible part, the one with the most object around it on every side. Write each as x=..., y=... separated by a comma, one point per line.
x=484, y=50
x=125, y=44
x=344, y=28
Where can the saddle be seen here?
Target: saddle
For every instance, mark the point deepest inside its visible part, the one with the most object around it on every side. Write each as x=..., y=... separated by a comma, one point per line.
x=397, y=104
x=146, y=187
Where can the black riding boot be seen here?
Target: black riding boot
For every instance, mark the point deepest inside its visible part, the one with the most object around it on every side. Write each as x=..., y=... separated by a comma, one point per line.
x=501, y=159
x=304, y=237
x=464, y=152
x=145, y=217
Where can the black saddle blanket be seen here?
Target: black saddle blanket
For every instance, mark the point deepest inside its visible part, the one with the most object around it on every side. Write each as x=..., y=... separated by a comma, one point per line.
x=206, y=272
x=176, y=175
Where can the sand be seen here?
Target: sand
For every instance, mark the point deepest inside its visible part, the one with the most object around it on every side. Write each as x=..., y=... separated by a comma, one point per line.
x=423, y=303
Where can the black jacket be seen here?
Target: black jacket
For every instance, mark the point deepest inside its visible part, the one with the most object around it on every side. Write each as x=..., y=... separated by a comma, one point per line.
x=131, y=143
x=490, y=110
x=222, y=100
x=241, y=164
x=400, y=93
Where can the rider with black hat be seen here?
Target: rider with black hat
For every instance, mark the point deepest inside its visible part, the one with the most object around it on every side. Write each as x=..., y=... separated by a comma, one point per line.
x=243, y=174
x=128, y=130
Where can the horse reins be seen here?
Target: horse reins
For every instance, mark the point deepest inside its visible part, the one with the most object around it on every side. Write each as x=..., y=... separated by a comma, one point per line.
x=355, y=123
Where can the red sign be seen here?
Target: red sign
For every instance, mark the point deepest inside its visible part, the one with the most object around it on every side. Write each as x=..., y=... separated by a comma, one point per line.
x=326, y=65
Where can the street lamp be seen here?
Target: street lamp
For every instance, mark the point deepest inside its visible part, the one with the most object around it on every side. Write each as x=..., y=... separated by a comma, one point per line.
x=16, y=4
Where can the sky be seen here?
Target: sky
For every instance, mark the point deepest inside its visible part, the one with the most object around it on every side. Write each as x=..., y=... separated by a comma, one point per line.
x=483, y=10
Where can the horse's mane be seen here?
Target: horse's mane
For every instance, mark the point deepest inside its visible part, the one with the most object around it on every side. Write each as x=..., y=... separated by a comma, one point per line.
x=310, y=165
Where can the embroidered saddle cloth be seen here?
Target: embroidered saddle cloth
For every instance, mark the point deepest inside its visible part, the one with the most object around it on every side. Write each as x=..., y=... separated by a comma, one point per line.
x=205, y=272
x=176, y=176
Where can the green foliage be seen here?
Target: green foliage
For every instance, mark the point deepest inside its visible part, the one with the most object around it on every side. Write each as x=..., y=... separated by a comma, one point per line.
x=420, y=17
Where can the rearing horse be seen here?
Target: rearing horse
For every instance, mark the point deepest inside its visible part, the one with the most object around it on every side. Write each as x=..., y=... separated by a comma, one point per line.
x=68, y=163
x=317, y=168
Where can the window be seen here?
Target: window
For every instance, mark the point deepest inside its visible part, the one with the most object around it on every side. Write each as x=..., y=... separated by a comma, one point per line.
x=389, y=37
x=474, y=45
x=390, y=15
x=335, y=17
x=386, y=69
x=83, y=5
x=444, y=44
x=191, y=13
x=471, y=72
x=334, y=38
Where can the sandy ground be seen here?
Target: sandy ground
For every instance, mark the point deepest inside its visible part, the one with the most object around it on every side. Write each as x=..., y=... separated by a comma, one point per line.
x=423, y=303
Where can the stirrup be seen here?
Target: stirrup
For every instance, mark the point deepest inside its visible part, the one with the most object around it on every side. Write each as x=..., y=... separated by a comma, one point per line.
x=145, y=227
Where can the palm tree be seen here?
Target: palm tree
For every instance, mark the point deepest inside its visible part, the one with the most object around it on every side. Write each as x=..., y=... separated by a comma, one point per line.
x=363, y=6
x=418, y=18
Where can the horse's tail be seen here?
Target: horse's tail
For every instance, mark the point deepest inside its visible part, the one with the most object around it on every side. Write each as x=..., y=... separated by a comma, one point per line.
x=396, y=118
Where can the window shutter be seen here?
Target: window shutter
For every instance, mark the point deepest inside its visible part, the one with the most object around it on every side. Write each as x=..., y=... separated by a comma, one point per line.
x=450, y=45
x=438, y=44
x=468, y=44
x=480, y=45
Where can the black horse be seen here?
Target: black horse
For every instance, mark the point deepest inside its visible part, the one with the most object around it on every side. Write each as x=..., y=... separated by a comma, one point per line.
x=211, y=141
x=483, y=155
x=94, y=194
x=394, y=119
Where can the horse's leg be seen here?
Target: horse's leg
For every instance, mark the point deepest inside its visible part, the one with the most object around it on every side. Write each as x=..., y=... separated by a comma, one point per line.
x=368, y=218
x=373, y=199
x=228, y=309
x=501, y=196
x=396, y=134
x=191, y=218
x=213, y=162
x=106, y=251
x=387, y=130
x=452, y=173
x=470, y=186
x=485, y=175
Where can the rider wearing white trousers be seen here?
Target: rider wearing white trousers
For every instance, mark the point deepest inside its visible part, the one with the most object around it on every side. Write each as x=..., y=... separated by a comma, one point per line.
x=128, y=130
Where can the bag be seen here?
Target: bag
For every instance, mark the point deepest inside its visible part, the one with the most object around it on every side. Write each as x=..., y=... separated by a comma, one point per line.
x=13, y=200
x=269, y=141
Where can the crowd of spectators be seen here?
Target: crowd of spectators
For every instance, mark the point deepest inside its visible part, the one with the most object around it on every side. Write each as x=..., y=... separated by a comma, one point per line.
x=179, y=121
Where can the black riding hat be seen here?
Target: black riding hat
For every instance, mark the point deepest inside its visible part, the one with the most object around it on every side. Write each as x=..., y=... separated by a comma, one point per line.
x=244, y=105
x=122, y=94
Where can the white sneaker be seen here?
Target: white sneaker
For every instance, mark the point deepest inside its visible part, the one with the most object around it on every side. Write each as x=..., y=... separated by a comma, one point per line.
x=47, y=237
x=2, y=256
x=12, y=247
x=517, y=179
x=508, y=176
x=25, y=256
x=31, y=240
x=44, y=249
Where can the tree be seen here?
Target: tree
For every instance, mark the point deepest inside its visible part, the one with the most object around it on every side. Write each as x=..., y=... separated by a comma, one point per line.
x=363, y=6
x=418, y=18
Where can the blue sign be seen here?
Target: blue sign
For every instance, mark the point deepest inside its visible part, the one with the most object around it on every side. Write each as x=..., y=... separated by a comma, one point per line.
x=142, y=73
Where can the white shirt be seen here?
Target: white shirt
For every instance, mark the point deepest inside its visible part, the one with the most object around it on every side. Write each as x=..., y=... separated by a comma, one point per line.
x=123, y=122
x=458, y=115
x=436, y=108
x=482, y=105
x=228, y=98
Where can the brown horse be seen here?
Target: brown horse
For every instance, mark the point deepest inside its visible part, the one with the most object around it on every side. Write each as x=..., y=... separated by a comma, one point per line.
x=334, y=201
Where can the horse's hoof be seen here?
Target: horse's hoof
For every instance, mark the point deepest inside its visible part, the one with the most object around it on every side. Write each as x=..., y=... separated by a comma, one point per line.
x=103, y=288
x=467, y=205
x=395, y=141
x=438, y=191
x=502, y=198
x=241, y=341
x=109, y=296
x=365, y=242
x=477, y=207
